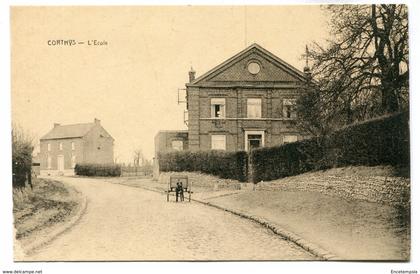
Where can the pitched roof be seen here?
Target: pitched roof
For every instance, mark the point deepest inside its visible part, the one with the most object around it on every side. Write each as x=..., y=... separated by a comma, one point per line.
x=254, y=47
x=68, y=131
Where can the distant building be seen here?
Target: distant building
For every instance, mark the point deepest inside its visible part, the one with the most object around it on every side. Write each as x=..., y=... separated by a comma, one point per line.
x=171, y=140
x=36, y=165
x=66, y=145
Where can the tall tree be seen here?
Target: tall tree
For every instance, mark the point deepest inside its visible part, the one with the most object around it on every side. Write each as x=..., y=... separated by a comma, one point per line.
x=138, y=157
x=363, y=71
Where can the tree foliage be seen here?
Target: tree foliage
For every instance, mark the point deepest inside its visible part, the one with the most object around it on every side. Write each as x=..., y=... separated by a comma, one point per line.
x=363, y=70
x=22, y=148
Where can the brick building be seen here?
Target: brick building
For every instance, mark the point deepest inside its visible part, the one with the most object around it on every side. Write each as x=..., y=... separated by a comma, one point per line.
x=65, y=145
x=245, y=102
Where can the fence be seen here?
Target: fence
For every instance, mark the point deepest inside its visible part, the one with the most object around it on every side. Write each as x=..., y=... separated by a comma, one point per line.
x=131, y=171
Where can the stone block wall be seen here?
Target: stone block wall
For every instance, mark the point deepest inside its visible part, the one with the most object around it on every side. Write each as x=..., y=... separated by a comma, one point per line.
x=203, y=181
x=380, y=189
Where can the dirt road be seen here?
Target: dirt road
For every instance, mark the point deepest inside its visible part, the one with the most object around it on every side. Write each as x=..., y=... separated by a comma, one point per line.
x=125, y=223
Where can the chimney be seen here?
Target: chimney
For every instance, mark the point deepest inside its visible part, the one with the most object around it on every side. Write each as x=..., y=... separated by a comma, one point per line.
x=56, y=124
x=306, y=69
x=97, y=121
x=191, y=73
x=307, y=72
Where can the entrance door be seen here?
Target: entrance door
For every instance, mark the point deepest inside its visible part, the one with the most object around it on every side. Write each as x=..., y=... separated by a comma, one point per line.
x=254, y=141
x=60, y=162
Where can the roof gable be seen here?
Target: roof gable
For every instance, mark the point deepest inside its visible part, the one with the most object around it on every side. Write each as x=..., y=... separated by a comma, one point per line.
x=68, y=131
x=235, y=69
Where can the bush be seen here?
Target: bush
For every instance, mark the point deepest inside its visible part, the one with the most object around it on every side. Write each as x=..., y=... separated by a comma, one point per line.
x=21, y=157
x=380, y=141
x=106, y=170
x=227, y=165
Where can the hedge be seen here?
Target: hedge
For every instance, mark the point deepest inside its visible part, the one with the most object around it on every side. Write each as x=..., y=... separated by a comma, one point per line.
x=380, y=141
x=227, y=165
x=106, y=170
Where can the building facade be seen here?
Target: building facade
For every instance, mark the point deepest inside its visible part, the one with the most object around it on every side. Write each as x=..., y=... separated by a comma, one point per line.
x=66, y=145
x=171, y=140
x=246, y=102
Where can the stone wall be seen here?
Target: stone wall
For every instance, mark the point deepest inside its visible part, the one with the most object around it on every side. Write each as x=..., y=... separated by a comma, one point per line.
x=203, y=181
x=380, y=189
x=340, y=182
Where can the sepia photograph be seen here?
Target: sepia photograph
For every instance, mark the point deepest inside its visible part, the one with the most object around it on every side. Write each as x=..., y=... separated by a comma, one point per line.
x=210, y=133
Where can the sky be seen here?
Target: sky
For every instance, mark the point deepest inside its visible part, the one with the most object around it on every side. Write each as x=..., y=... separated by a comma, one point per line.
x=131, y=83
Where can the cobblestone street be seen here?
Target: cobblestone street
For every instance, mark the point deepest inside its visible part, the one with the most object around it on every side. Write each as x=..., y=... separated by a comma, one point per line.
x=126, y=223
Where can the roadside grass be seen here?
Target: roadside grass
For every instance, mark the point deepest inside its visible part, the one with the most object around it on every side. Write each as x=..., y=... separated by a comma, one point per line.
x=48, y=203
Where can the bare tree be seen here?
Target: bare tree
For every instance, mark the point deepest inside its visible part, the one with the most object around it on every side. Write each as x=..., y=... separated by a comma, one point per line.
x=363, y=71
x=138, y=157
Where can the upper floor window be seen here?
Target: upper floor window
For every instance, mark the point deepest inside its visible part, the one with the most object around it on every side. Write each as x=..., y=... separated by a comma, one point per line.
x=289, y=139
x=177, y=145
x=218, y=142
x=49, y=147
x=253, y=107
x=73, y=146
x=60, y=146
x=289, y=108
x=218, y=108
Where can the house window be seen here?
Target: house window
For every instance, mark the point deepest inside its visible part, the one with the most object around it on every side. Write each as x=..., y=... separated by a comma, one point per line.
x=60, y=146
x=289, y=108
x=49, y=162
x=218, y=142
x=49, y=147
x=73, y=161
x=73, y=146
x=218, y=107
x=253, y=107
x=177, y=145
x=289, y=139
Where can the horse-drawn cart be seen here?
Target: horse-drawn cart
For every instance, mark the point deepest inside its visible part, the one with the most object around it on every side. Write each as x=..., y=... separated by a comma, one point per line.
x=179, y=185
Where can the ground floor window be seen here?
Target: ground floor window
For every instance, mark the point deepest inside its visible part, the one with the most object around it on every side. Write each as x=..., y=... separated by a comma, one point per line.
x=49, y=162
x=73, y=161
x=218, y=142
x=289, y=139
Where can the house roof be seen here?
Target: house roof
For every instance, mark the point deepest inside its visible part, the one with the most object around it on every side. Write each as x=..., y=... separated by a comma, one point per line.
x=68, y=131
x=252, y=48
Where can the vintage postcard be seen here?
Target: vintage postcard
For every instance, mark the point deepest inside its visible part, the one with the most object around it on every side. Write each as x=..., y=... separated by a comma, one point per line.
x=211, y=133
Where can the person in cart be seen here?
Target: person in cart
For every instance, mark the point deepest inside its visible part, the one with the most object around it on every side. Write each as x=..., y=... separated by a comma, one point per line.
x=181, y=192
x=177, y=191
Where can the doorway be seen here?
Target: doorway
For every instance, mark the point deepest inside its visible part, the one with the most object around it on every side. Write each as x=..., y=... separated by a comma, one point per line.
x=60, y=162
x=254, y=139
